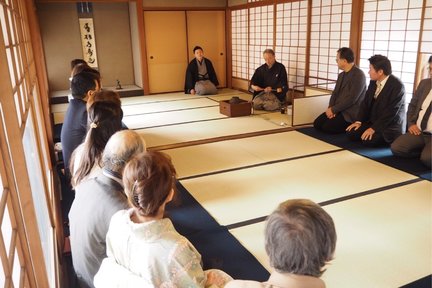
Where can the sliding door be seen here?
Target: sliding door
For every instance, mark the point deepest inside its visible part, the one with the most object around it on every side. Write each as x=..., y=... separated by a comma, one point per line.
x=166, y=50
x=207, y=29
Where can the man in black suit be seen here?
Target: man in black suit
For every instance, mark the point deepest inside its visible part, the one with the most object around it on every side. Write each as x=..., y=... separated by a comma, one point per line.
x=346, y=97
x=74, y=128
x=382, y=114
x=417, y=141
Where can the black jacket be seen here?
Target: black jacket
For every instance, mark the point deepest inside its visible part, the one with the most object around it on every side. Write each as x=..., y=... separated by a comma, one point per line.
x=74, y=128
x=275, y=77
x=192, y=75
x=387, y=114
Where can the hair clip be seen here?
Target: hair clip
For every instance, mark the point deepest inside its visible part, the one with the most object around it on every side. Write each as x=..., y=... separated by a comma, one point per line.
x=93, y=125
x=136, y=200
x=135, y=196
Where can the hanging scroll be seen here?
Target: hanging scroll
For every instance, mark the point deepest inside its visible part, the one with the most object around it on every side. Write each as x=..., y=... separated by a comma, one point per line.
x=88, y=41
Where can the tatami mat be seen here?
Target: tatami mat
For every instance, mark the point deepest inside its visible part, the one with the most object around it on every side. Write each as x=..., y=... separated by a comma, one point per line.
x=164, y=106
x=223, y=94
x=229, y=94
x=217, y=156
x=136, y=113
x=384, y=239
x=136, y=100
x=256, y=191
x=161, y=102
x=172, y=117
x=168, y=135
x=157, y=98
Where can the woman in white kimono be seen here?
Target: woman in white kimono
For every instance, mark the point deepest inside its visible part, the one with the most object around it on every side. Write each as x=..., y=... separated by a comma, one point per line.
x=143, y=248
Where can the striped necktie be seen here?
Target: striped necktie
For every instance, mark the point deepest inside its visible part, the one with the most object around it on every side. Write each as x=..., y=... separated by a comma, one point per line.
x=378, y=89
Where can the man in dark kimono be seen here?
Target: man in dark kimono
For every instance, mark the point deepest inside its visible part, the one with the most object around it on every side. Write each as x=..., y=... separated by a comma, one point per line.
x=269, y=84
x=201, y=77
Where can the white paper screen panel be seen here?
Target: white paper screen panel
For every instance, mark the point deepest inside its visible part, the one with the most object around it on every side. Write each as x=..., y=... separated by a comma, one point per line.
x=305, y=110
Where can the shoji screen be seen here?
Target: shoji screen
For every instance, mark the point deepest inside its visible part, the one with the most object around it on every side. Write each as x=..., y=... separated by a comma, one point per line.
x=28, y=252
x=260, y=34
x=426, y=45
x=291, y=34
x=239, y=28
x=282, y=27
x=392, y=28
x=330, y=30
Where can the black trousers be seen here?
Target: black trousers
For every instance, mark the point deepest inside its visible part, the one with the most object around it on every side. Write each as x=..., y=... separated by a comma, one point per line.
x=377, y=138
x=334, y=125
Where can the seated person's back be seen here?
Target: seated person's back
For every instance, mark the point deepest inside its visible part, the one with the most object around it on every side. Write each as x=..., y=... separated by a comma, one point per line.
x=104, y=119
x=74, y=126
x=143, y=245
x=300, y=238
x=96, y=200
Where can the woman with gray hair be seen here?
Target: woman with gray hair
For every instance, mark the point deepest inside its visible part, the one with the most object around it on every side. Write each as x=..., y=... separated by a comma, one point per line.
x=300, y=239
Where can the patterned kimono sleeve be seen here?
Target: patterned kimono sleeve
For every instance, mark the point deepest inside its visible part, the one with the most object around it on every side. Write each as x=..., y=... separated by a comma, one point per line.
x=185, y=266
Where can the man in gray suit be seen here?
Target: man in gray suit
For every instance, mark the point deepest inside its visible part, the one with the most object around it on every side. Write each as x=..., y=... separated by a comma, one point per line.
x=96, y=200
x=346, y=97
x=417, y=142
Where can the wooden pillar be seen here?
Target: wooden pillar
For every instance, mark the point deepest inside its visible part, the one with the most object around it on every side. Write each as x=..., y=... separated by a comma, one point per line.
x=356, y=28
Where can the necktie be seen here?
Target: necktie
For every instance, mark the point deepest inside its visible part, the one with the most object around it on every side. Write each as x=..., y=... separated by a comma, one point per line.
x=426, y=117
x=378, y=89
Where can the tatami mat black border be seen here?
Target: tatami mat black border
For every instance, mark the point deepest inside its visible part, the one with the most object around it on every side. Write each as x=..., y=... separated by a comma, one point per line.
x=380, y=154
x=161, y=101
x=332, y=201
x=260, y=164
x=180, y=123
x=425, y=282
x=282, y=129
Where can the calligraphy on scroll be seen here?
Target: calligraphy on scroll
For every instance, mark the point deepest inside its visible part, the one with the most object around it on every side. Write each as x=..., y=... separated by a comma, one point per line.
x=88, y=41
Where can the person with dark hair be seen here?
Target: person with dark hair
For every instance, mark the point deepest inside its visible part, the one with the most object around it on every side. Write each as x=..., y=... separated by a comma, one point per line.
x=78, y=66
x=74, y=127
x=346, y=97
x=104, y=96
x=104, y=119
x=107, y=96
x=86, y=80
x=417, y=141
x=96, y=200
x=142, y=246
x=300, y=239
x=75, y=62
x=269, y=84
x=201, y=77
x=382, y=114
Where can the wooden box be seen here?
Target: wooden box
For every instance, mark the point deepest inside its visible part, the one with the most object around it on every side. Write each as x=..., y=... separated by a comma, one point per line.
x=242, y=108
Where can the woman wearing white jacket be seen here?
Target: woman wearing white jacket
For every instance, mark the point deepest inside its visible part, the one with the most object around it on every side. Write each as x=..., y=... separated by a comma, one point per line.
x=143, y=248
